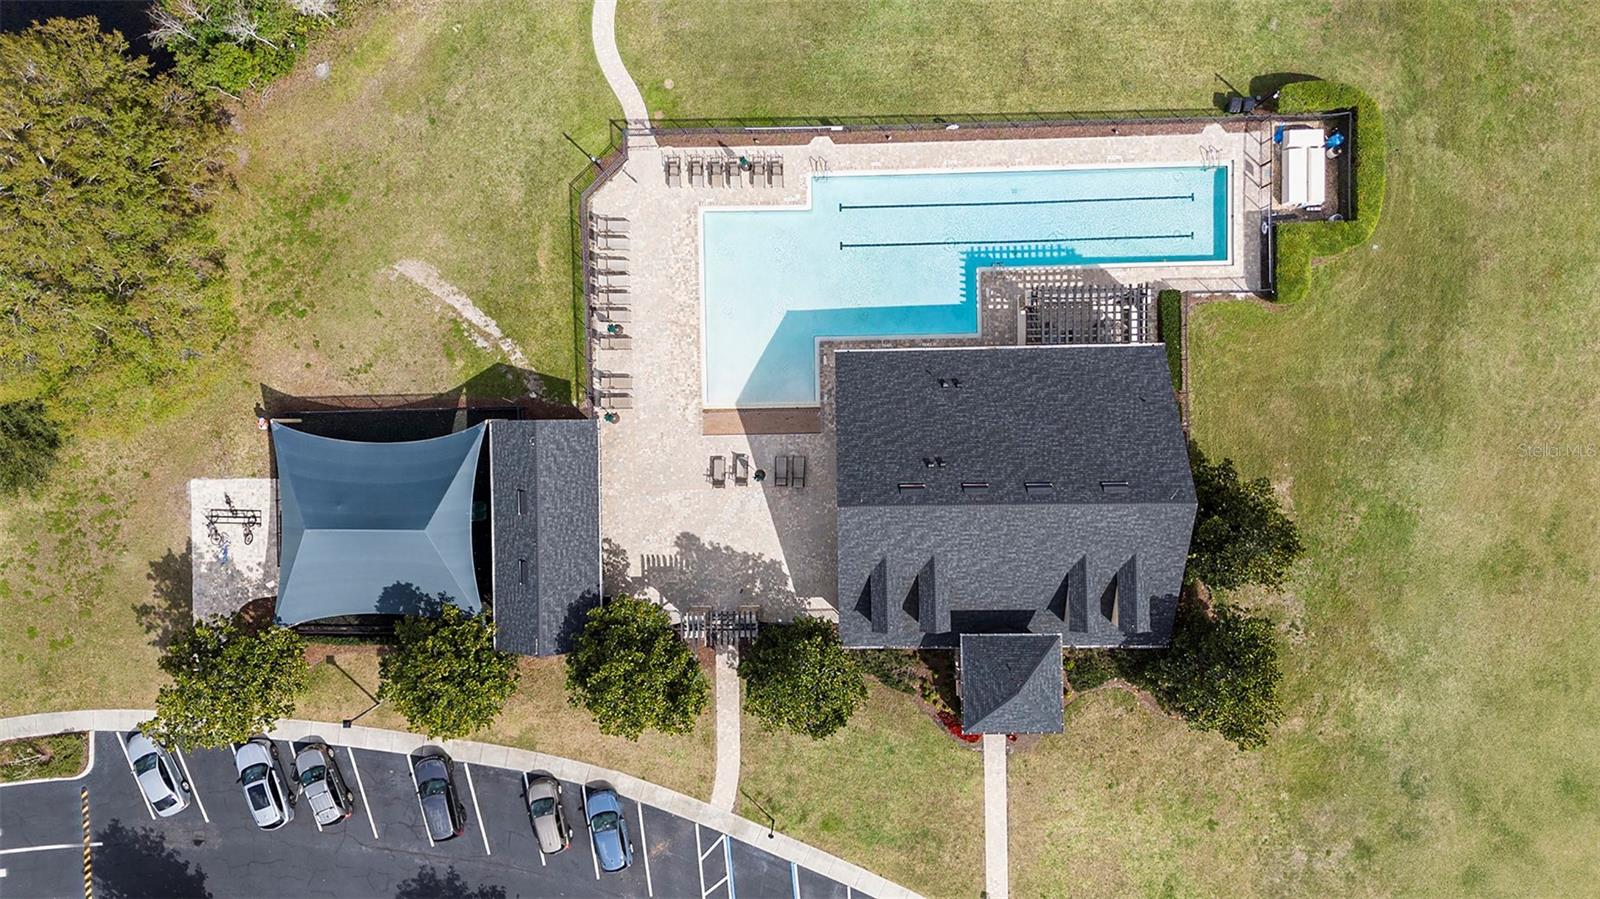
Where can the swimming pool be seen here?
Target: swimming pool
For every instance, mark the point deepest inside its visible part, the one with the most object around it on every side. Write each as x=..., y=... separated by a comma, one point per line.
x=897, y=255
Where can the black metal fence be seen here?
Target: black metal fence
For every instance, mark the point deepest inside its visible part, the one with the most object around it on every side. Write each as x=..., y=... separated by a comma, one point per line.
x=943, y=122
x=601, y=166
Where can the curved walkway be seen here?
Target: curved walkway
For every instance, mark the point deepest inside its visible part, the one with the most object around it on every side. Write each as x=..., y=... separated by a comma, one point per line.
x=603, y=31
x=380, y=740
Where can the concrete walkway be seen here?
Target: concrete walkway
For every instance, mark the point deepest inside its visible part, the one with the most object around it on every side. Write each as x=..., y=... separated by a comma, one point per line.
x=380, y=740
x=725, y=781
x=603, y=31
x=996, y=828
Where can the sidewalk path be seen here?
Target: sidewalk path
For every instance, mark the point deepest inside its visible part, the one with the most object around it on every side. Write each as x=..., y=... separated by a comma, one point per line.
x=603, y=31
x=725, y=781
x=379, y=740
x=996, y=864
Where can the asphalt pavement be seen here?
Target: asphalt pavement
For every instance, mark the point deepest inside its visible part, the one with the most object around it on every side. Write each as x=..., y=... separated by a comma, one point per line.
x=212, y=848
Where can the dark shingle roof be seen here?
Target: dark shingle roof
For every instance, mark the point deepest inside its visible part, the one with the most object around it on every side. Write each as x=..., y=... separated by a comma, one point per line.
x=1098, y=558
x=1011, y=684
x=545, y=511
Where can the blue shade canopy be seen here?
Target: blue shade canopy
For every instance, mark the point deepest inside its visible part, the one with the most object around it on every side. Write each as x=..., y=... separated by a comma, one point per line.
x=375, y=528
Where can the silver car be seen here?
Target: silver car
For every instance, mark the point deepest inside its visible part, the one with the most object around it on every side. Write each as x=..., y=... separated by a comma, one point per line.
x=271, y=803
x=544, y=810
x=159, y=777
x=323, y=784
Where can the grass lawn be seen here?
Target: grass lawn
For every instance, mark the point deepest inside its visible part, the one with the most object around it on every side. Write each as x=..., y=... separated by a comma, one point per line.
x=437, y=137
x=1430, y=412
x=60, y=755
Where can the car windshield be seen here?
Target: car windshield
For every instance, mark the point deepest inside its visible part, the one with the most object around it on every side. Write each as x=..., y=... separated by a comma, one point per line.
x=433, y=787
x=146, y=762
x=258, y=797
x=309, y=776
x=543, y=805
x=604, y=821
x=165, y=803
x=254, y=773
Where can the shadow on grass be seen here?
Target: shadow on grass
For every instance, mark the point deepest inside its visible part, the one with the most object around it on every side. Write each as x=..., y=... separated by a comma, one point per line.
x=171, y=609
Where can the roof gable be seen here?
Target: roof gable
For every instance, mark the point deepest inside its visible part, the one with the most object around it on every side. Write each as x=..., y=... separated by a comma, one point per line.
x=1011, y=684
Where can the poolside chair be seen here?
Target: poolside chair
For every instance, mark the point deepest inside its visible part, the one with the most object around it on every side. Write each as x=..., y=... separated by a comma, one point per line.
x=780, y=471
x=719, y=471
x=741, y=469
x=616, y=380
x=797, y=471
x=731, y=172
x=618, y=314
x=614, y=341
x=758, y=171
x=674, y=169
x=697, y=171
x=714, y=171
x=613, y=399
x=775, y=171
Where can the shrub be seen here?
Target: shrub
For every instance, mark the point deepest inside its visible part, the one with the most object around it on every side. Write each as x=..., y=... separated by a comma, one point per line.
x=227, y=684
x=111, y=267
x=1299, y=242
x=894, y=668
x=1221, y=673
x=236, y=44
x=1086, y=669
x=1169, y=320
x=632, y=672
x=1241, y=534
x=445, y=675
x=29, y=441
x=800, y=678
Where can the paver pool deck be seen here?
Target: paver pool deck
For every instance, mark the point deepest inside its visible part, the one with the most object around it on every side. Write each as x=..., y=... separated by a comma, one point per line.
x=668, y=531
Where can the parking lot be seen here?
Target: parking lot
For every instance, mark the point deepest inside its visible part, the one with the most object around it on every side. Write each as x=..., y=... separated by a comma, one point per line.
x=213, y=848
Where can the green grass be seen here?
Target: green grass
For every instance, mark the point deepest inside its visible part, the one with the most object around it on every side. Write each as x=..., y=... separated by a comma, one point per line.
x=1428, y=410
x=60, y=755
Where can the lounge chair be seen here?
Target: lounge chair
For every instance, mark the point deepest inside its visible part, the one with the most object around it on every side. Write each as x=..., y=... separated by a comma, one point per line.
x=741, y=469
x=731, y=172
x=613, y=399
x=797, y=471
x=616, y=380
x=775, y=171
x=697, y=171
x=780, y=471
x=758, y=171
x=618, y=314
x=714, y=171
x=719, y=471
x=674, y=168
x=614, y=341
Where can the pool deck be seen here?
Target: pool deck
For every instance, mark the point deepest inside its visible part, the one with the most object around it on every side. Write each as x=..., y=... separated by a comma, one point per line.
x=671, y=534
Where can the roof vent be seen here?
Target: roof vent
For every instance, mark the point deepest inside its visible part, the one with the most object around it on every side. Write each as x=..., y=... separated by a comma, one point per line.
x=906, y=486
x=949, y=383
x=1114, y=488
x=938, y=462
x=974, y=486
x=927, y=461
x=1039, y=486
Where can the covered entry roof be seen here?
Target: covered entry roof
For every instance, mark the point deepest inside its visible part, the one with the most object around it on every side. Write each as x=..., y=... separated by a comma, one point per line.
x=374, y=528
x=1011, y=684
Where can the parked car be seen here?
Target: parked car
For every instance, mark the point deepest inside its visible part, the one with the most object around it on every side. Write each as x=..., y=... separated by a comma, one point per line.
x=608, y=829
x=323, y=784
x=159, y=777
x=544, y=811
x=442, y=811
x=261, y=778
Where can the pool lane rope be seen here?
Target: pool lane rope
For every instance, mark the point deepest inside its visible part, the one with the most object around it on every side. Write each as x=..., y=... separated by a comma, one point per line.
x=1056, y=202
x=1031, y=240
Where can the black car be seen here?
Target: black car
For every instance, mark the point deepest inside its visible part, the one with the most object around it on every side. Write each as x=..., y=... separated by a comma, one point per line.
x=442, y=811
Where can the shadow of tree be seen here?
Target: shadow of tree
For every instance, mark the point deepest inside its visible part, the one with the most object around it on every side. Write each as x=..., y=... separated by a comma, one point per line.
x=401, y=598
x=138, y=863
x=699, y=573
x=428, y=883
x=171, y=609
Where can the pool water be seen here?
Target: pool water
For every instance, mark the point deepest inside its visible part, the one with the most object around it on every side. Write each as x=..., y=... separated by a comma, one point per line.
x=897, y=255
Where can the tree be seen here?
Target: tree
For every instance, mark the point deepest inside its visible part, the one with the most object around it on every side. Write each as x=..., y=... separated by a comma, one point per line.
x=632, y=672
x=1241, y=534
x=232, y=45
x=445, y=675
x=29, y=440
x=105, y=174
x=799, y=677
x=227, y=684
x=1221, y=673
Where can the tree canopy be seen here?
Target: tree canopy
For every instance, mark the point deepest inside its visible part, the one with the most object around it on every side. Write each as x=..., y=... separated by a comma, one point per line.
x=227, y=684
x=236, y=44
x=1241, y=534
x=1221, y=673
x=445, y=675
x=29, y=441
x=105, y=257
x=799, y=677
x=633, y=673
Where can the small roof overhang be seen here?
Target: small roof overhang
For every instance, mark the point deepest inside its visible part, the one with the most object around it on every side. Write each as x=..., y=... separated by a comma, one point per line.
x=1011, y=684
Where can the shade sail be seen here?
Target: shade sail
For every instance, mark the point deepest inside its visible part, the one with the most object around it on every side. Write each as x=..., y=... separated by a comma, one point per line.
x=374, y=528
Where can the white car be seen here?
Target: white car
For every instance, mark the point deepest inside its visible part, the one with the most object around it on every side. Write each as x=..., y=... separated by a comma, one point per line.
x=159, y=777
x=271, y=803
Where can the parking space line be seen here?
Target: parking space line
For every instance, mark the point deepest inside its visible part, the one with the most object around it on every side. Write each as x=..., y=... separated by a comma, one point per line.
x=123, y=742
x=365, y=805
x=416, y=790
x=193, y=787
x=483, y=828
x=727, y=857
x=21, y=849
x=644, y=842
x=592, y=857
x=794, y=879
x=700, y=863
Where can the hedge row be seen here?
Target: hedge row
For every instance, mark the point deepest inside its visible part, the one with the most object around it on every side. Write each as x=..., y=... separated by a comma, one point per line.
x=1169, y=321
x=1299, y=242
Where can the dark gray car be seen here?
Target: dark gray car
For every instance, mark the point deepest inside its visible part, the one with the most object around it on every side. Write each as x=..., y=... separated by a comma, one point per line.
x=442, y=811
